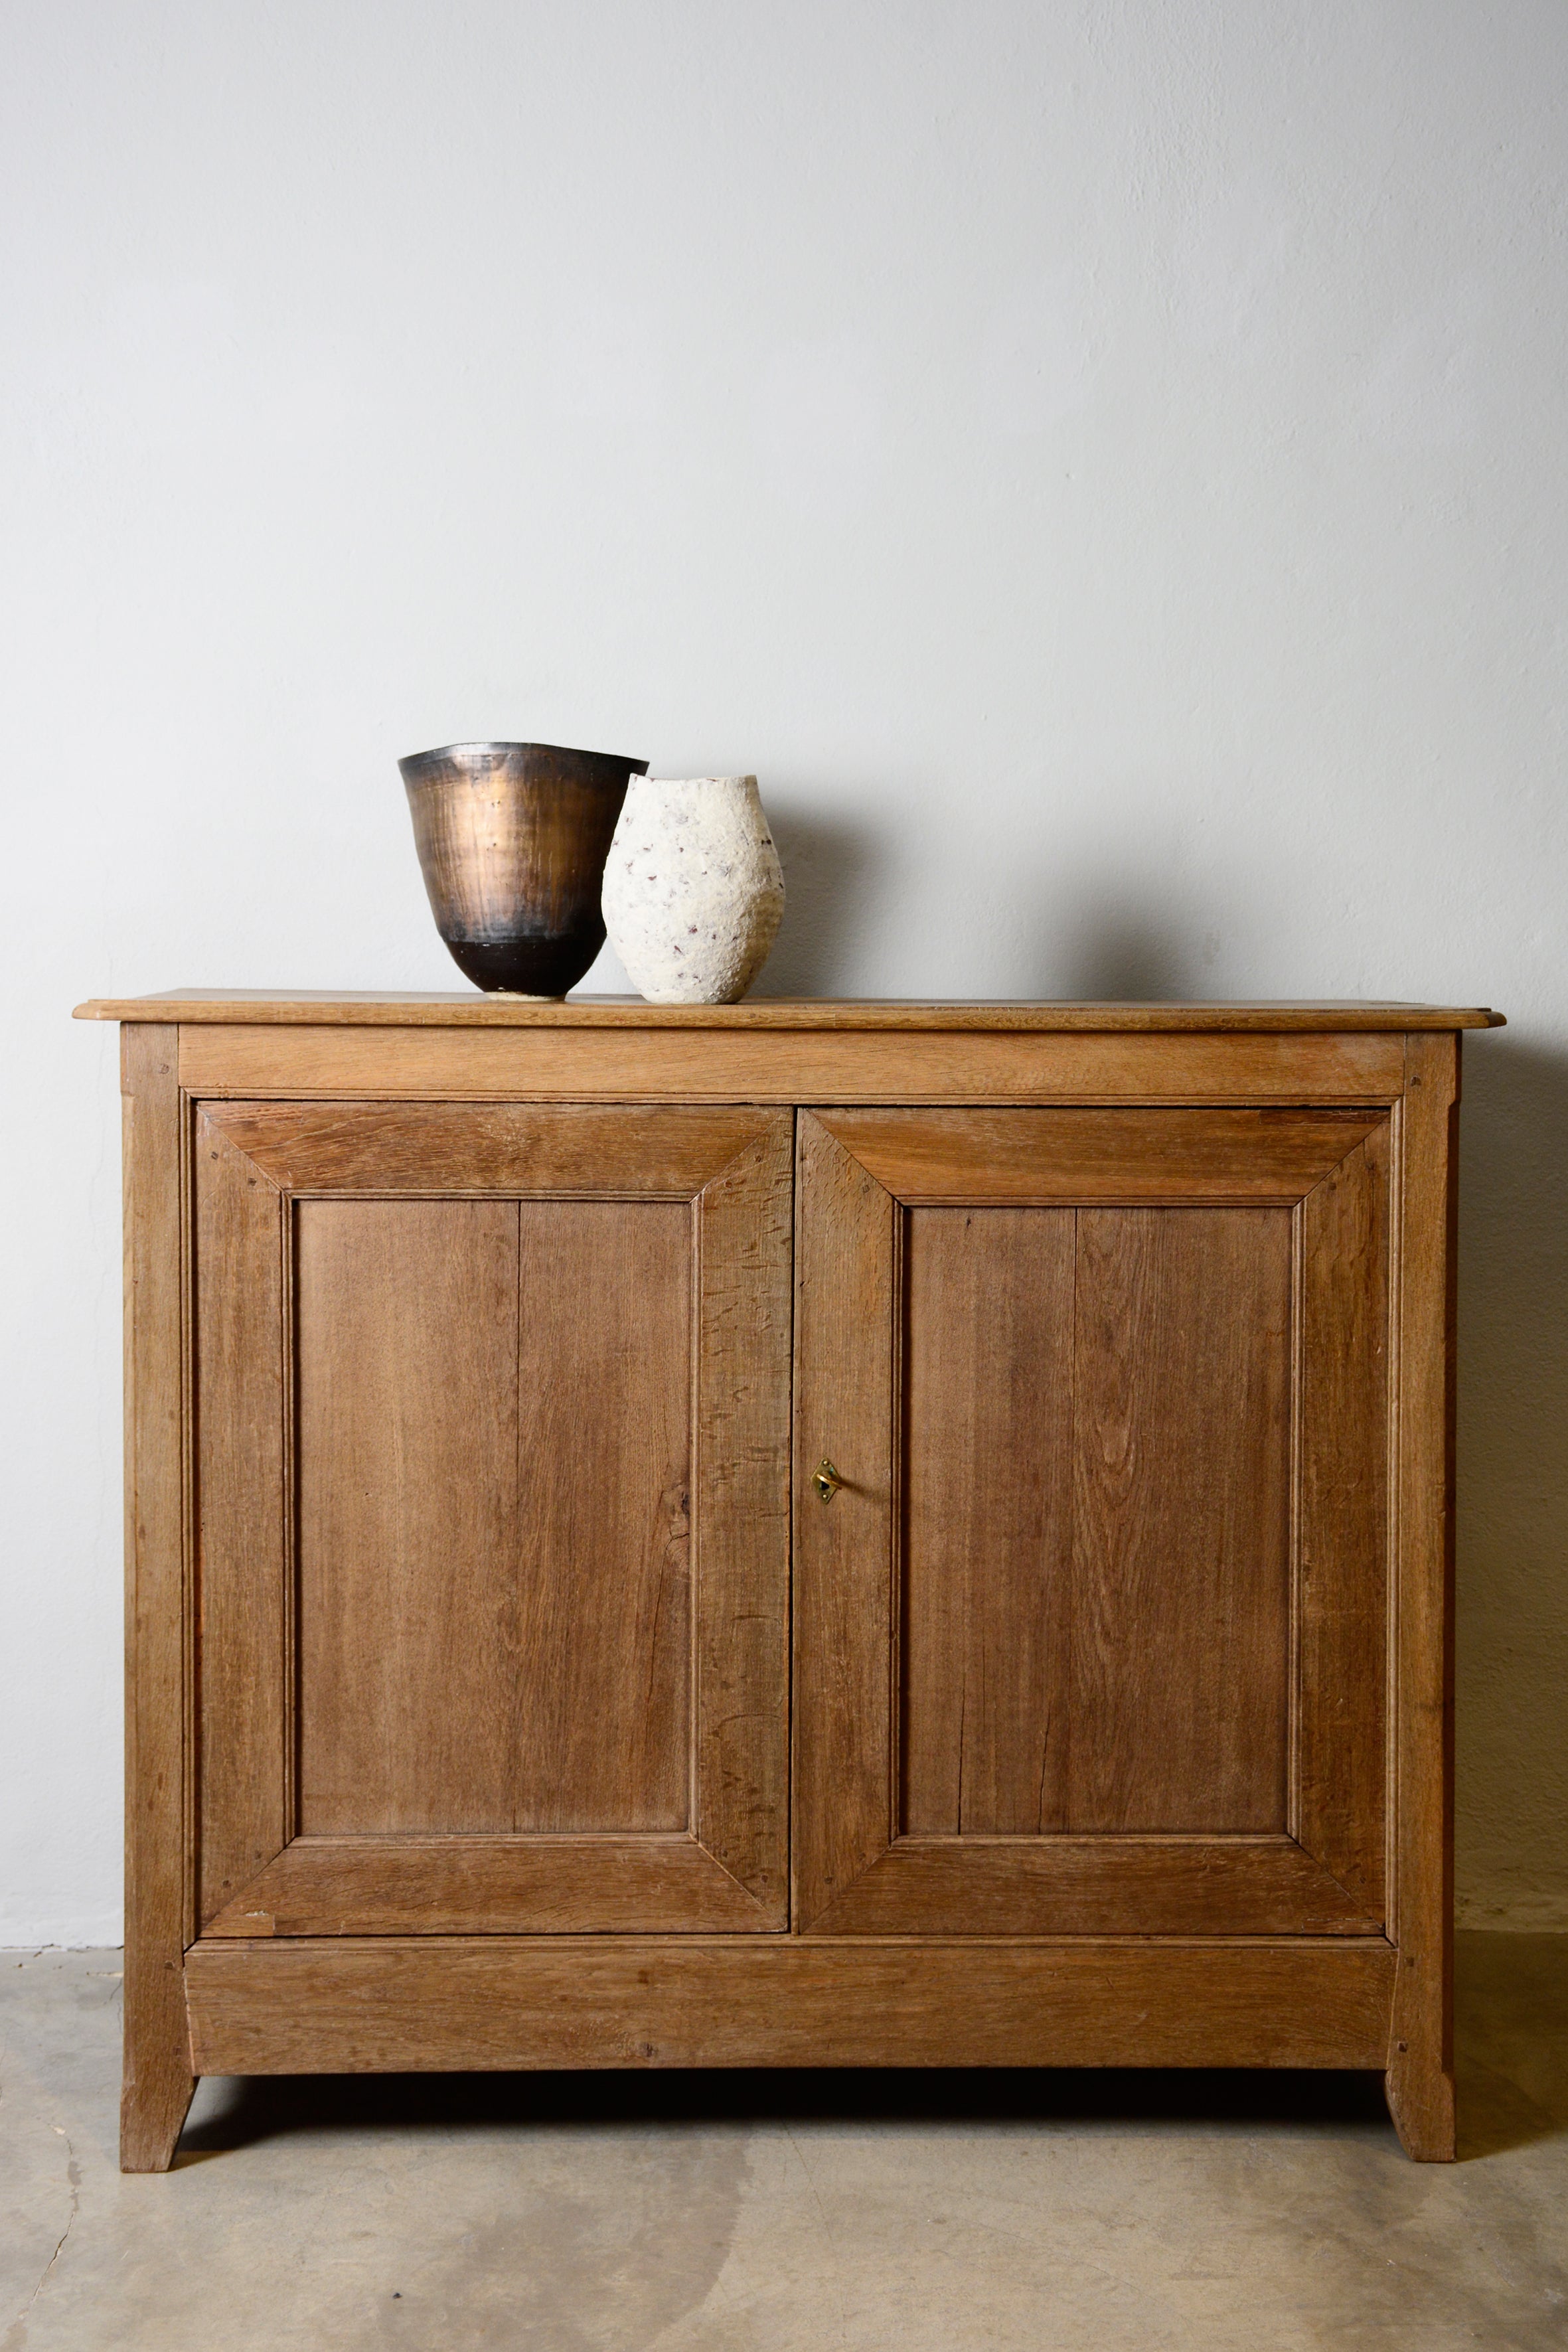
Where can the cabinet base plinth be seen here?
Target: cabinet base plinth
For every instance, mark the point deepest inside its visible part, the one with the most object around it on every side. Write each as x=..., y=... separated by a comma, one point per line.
x=394, y=2004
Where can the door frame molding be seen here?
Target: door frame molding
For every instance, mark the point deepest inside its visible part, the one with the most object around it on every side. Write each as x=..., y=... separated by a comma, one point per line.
x=729, y=1870
x=858, y=1172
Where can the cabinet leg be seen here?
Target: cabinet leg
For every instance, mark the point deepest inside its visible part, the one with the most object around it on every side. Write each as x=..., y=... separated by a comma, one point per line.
x=158, y=2085
x=152, y=2110
x=1420, y=2093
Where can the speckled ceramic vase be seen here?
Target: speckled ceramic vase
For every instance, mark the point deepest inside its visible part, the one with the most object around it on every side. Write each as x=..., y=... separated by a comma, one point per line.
x=693, y=889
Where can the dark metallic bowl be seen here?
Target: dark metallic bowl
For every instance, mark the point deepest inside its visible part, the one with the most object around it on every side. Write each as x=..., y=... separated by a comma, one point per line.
x=512, y=839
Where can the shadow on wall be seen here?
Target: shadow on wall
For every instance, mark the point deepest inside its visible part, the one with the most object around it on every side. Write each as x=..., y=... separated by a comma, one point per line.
x=1105, y=947
x=1513, y=1484
x=825, y=860
x=1096, y=944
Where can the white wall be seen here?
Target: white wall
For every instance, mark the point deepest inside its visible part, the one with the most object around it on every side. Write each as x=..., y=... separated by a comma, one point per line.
x=1100, y=464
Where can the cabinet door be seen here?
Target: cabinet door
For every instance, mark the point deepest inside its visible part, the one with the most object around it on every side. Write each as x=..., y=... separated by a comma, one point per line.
x=1091, y=1639
x=491, y=1472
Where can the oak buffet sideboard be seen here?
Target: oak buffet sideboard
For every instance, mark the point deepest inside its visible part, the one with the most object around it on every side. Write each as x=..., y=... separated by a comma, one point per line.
x=805, y=1533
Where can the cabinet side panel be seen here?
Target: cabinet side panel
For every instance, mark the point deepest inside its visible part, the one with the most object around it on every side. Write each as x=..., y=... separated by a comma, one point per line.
x=1421, y=2059
x=604, y=1516
x=1342, y=1540
x=406, y=1336
x=1181, y=1609
x=241, y=1540
x=157, y=2075
x=988, y=1366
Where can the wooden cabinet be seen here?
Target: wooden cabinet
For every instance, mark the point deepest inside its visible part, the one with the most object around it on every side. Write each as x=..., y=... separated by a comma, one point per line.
x=502, y=1691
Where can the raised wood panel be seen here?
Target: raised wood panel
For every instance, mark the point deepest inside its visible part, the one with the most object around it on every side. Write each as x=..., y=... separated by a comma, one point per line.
x=406, y=1337
x=599, y=1673
x=844, y=1388
x=1181, y=1567
x=740, y=1066
x=741, y=1476
x=1341, y=1542
x=242, y=1550
x=988, y=1550
x=158, y=2079
x=385, y=2004
x=1094, y=1886
x=490, y=1885
x=494, y=1444
x=446, y=1148
x=1097, y=1155
x=1116, y=1659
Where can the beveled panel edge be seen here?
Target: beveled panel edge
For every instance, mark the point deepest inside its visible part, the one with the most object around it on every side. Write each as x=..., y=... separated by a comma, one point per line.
x=740, y=1488
x=922, y=1179
x=843, y=1684
x=254, y=1747
x=487, y=1883
x=457, y=1009
x=709, y=1137
x=1360, y=1795
x=1259, y=1883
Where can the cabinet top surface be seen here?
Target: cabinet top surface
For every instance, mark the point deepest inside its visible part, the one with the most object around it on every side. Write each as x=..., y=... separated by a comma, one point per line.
x=466, y=1010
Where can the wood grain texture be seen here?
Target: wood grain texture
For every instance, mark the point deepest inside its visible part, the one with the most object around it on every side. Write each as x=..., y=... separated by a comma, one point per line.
x=282, y=1997
x=1094, y=1886
x=600, y=1668
x=1080, y=1155
x=490, y=1885
x=1420, y=2077
x=494, y=1480
x=736, y=1064
x=742, y=1518
x=158, y=2075
x=988, y=1548
x=445, y=1147
x=495, y=1476
x=1156, y=1619
x=409, y=1642
x=242, y=1548
x=844, y=1388
x=1341, y=1543
x=1181, y=1593
x=383, y=2004
x=463, y=1009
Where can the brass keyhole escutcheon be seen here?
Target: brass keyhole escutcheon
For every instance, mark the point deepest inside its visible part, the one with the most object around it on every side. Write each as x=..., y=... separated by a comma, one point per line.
x=826, y=1479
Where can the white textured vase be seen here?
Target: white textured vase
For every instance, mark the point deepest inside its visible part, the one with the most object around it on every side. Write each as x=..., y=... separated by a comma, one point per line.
x=693, y=889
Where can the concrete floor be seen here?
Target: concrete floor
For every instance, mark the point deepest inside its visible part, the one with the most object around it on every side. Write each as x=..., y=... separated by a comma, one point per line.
x=786, y=2213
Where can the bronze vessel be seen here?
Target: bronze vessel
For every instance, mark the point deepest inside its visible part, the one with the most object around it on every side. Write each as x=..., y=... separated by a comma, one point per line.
x=512, y=839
